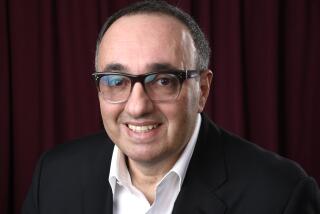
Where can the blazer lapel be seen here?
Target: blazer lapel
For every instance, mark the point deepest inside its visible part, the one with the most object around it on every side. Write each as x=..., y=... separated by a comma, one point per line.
x=196, y=199
x=205, y=175
x=97, y=194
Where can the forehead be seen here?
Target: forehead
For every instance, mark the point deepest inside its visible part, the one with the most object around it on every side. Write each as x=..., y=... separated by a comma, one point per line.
x=145, y=38
x=153, y=24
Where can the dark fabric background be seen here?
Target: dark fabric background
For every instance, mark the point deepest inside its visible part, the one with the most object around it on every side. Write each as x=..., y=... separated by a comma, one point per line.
x=266, y=64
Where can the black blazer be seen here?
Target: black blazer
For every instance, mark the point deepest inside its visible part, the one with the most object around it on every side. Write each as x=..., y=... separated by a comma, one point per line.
x=226, y=174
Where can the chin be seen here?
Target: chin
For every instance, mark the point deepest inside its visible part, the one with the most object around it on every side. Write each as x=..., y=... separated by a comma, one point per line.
x=146, y=158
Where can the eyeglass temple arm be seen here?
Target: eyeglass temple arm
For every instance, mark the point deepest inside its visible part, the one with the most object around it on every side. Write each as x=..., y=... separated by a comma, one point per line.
x=193, y=73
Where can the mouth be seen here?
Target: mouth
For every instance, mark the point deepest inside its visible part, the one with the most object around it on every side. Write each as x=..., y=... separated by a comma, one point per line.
x=142, y=128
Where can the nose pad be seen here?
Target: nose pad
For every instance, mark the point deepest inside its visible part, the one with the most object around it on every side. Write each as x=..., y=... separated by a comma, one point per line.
x=138, y=103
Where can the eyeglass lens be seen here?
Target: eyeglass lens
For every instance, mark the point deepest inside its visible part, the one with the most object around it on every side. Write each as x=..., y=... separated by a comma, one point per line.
x=159, y=87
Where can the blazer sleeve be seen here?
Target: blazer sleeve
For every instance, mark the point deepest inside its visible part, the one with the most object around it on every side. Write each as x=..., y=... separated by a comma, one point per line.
x=31, y=203
x=305, y=198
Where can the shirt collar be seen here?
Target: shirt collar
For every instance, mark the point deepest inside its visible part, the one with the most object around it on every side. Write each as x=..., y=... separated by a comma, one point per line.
x=118, y=169
x=119, y=172
x=180, y=167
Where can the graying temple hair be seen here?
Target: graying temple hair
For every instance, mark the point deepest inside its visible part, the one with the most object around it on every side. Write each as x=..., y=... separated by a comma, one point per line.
x=203, y=50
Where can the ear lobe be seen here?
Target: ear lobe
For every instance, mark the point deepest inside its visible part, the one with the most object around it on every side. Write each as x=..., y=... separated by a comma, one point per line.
x=205, y=82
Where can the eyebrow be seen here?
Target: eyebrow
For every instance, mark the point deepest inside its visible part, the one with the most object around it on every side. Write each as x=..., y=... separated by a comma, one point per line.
x=161, y=67
x=115, y=67
x=154, y=67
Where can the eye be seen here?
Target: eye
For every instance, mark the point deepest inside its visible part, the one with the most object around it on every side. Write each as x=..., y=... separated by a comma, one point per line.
x=161, y=79
x=114, y=80
x=165, y=80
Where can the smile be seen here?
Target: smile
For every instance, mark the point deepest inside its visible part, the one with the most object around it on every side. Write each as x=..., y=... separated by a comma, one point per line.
x=142, y=128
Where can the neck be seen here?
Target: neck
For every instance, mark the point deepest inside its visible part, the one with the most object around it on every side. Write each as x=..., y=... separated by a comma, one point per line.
x=146, y=176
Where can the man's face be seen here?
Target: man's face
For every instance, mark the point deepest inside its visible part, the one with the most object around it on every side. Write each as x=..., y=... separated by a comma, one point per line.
x=146, y=131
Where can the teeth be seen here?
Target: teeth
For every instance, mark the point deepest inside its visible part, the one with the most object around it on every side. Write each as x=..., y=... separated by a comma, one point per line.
x=141, y=128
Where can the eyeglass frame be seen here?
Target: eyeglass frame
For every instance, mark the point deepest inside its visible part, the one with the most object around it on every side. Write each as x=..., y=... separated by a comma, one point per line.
x=182, y=75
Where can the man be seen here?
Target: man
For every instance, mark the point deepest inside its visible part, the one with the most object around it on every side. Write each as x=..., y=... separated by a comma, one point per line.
x=159, y=153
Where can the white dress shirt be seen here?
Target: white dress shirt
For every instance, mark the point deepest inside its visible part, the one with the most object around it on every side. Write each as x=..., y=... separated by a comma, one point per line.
x=127, y=199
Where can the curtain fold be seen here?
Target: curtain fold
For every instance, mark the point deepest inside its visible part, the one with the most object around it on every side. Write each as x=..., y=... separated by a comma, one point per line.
x=265, y=87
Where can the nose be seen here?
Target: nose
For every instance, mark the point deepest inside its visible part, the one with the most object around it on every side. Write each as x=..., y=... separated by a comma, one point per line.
x=139, y=103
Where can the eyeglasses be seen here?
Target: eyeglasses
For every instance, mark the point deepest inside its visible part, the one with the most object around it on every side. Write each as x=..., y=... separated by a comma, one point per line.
x=116, y=87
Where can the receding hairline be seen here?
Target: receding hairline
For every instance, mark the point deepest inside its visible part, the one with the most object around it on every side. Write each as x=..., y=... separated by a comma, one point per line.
x=149, y=13
x=184, y=27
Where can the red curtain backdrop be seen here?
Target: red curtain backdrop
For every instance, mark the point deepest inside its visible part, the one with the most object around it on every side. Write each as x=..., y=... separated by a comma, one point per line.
x=266, y=64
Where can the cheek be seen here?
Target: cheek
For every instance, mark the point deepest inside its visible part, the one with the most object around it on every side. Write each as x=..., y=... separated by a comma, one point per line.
x=190, y=99
x=182, y=114
x=109, y=114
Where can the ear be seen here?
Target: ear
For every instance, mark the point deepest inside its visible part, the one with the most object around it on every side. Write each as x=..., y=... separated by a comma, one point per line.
x=205, y=82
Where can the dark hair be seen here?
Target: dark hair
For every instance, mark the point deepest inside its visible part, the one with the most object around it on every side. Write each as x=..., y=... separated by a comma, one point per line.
x=162, y=7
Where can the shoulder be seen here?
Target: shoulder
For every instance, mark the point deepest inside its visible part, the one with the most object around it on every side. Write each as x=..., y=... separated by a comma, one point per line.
x=258, y=177
x=78, y=153
x=67, y=171
x=86, y=144
x=247, y=160
x=249, y=164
